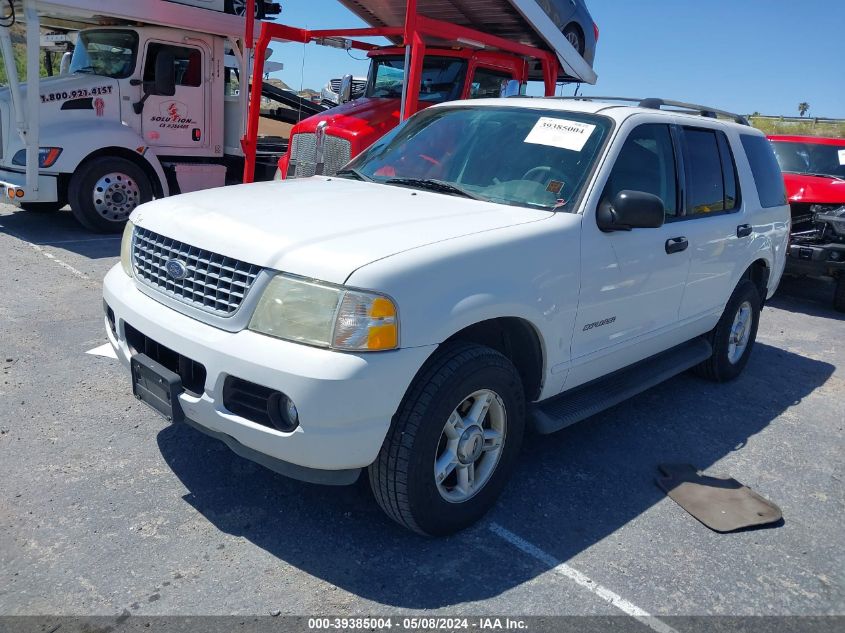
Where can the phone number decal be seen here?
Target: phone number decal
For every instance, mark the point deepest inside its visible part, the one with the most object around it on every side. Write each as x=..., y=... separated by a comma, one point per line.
x=79, y=93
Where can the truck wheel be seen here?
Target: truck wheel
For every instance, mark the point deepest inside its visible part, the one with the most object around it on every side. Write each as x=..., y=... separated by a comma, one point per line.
x=105, y=190
x=42, y=207
x=734, y=335
x=839, y=293
x=453, y=442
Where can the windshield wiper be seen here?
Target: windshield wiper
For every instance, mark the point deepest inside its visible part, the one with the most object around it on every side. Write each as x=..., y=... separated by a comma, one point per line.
x=354, y=172
x=431, y=184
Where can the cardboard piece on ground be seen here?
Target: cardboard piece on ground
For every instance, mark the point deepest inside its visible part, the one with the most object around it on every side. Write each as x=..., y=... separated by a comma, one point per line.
x=722, y=504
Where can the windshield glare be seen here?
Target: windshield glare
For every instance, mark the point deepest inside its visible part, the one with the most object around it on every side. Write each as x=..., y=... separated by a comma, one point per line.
x=811, y=158
x=108, y=53
x=507, y=155
x=442, y=78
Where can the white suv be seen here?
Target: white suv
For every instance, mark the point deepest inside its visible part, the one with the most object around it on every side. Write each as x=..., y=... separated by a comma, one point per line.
x=486, y=267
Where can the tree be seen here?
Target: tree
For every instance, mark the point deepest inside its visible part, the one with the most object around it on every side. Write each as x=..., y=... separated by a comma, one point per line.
x=803, y=108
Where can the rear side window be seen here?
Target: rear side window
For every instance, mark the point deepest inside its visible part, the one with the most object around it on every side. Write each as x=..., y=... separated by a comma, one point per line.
x=765, y=169
x=710, y=172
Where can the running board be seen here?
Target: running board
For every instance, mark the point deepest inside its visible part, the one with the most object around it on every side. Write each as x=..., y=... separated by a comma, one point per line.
x=600, y=394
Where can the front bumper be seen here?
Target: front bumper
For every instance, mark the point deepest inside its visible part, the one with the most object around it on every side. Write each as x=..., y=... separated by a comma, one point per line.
x=345, y=401
x=13, y=181
x=816, y=259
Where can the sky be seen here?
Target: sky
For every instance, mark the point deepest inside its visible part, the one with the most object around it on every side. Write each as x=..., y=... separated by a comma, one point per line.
x=744, y=56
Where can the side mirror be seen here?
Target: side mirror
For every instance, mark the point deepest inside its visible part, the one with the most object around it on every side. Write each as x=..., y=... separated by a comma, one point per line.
x=511, y=88
x=64, y=64
x=345, y=93
x=164, y=80
x=631, y=210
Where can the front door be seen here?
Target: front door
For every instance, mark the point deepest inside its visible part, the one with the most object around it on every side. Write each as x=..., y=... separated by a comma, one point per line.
x=178, y=121
x=632, y=282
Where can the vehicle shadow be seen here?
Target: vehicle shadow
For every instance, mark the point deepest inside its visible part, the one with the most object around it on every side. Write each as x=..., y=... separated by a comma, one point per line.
x=571, y=489
x=806, y=295
x=59, y=229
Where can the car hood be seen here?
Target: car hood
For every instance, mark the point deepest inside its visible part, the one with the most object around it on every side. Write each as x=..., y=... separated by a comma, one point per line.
x=323, y=228
x=814, y=189
x=368, y=118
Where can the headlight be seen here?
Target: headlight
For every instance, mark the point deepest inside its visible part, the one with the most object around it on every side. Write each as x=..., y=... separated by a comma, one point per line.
x=321, y=314
x=126, y=248
x=46, y=156
x=833, y=214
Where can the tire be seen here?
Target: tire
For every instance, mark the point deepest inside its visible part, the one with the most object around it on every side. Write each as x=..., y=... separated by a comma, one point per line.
x=111, y=176
x=403, y=475
x=839, y=293
x=572, y=32
x=42, y=207
x=727, y=362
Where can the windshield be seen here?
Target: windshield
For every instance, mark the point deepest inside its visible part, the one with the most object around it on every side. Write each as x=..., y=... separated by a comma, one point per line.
x=108, y=53
x=811, y=158
x=442, y=78
x=507, y=155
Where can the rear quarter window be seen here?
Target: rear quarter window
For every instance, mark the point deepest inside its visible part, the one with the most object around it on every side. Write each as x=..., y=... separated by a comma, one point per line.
x=764, y=167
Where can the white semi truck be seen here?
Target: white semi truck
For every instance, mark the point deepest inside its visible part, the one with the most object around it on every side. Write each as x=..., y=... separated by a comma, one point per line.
x=153, y=104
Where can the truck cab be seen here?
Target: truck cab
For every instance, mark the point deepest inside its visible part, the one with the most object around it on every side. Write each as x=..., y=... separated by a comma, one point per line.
x=448, y=74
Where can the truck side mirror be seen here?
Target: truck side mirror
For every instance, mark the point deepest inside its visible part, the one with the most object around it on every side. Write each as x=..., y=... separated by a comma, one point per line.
x=511, y=88
x=345, y=93
x=630, y=210
x=164, y=80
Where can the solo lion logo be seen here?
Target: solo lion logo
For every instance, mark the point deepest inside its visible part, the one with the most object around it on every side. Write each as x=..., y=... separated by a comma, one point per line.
x=174, y=111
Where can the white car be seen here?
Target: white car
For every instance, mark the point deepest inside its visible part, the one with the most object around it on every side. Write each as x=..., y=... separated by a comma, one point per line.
x=489, y=266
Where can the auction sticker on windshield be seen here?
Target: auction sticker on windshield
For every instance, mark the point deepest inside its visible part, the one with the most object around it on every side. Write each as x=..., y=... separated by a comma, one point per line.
x=561, y=133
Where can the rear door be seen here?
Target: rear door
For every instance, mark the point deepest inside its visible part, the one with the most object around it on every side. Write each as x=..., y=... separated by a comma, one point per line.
x=714, y=220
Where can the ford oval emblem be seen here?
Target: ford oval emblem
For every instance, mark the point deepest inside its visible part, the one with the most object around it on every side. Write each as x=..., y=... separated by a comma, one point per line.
x=176, y=269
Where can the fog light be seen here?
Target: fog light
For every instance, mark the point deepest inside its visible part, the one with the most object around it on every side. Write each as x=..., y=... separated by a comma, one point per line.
x=282, y=412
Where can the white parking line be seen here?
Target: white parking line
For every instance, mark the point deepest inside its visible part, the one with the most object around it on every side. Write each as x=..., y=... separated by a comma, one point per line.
x=64, y=265
x=103, y=350
x=562, y=569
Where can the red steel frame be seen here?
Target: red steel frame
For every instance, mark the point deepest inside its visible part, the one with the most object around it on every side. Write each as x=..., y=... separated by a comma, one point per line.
x=413, y=33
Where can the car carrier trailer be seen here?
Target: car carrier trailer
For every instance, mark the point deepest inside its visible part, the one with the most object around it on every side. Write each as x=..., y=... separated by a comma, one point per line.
x=519, y=43
x=155, y=104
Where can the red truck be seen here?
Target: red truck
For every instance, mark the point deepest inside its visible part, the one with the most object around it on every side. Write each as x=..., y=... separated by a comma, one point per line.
x=814, y=173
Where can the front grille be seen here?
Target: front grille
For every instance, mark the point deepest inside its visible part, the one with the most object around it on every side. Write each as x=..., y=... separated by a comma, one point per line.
x=304, y=161
x=190, y=371
x=213, y=283
x=358, y=87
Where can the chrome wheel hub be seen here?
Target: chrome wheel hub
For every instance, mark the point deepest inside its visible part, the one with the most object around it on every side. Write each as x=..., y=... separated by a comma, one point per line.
x=740, y=332
x=115, y=195
x=470, y=446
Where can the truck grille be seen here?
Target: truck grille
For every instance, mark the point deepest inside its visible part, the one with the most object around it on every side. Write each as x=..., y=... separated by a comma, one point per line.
x=358, y=87
x=304, y=161
x=214, y=283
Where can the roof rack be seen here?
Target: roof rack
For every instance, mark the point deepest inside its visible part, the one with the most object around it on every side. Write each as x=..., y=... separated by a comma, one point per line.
x=656, y=104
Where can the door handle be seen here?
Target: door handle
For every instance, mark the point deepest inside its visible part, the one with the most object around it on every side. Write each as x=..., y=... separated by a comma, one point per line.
x=744, y=230
x=676, y=245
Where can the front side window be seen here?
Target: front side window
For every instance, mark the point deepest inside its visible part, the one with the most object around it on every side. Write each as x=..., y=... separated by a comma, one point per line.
x=646, y=163
x=187, y=62
x=710, y=172
x=487, y=83
x=442, y=78
x=110, y=53
x=507, y=155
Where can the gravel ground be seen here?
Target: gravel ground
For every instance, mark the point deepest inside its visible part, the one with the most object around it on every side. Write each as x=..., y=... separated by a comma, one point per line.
x=106, y=509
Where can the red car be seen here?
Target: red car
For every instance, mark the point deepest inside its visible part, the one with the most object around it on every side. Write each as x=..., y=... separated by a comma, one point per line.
x=814, y=172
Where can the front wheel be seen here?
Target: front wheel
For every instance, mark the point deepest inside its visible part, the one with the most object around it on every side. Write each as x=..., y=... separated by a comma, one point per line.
x=105, y=190
x=734, y=334
x=573, y=35
x=453, y=442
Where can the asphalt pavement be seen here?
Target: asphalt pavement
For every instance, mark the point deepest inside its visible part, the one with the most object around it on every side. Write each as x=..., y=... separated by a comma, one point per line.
x=107, y=509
